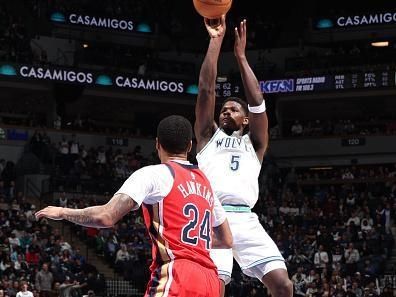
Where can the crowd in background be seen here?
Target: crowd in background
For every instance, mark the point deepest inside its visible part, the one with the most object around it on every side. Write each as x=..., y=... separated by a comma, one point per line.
x=318, y=128
x=332, y=226
x=344, y=58
x=126, y=247
x=35, y=254
x=14, y=41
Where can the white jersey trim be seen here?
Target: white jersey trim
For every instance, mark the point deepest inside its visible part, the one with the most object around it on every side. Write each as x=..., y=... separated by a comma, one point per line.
x=209, y=142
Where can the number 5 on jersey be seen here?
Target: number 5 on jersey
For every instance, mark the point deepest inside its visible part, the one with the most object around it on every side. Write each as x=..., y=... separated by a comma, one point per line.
x=234, y=165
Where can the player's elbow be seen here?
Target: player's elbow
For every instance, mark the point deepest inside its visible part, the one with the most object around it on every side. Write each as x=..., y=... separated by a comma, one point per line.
x=105, y=220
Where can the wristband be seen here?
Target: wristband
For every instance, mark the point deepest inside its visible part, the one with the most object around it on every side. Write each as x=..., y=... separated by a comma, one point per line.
x=257, y=109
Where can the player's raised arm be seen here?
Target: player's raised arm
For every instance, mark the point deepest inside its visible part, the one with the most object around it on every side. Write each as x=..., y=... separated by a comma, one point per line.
x=258, y=121
x=100, y=216
x=205, y=107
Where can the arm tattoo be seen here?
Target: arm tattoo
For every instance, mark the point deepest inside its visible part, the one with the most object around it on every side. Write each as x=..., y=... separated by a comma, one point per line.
x=81, y=216
x=101, y=216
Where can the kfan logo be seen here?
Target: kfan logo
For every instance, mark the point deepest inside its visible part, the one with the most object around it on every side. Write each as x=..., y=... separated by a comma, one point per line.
x=277, y=86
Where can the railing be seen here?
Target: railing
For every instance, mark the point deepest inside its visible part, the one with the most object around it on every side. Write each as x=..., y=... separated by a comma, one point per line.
x=119, y=287
x=388, y=281
x=32, y=189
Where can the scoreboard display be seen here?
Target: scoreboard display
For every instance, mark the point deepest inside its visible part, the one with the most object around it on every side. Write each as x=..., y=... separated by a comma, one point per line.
x=361, y=80
x=228, y=89
x=335, y=82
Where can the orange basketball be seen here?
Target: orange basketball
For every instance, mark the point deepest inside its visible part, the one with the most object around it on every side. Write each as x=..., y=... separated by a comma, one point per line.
x=212, y=9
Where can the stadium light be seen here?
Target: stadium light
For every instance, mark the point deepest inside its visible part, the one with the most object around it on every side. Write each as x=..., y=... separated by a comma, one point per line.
x=380, y=43
x=85, y=45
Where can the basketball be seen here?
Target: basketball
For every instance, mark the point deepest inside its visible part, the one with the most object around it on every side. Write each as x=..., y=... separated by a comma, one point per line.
x=212, y=9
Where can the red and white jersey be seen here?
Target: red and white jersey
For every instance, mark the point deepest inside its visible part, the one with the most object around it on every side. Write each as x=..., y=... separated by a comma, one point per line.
x=179, y=209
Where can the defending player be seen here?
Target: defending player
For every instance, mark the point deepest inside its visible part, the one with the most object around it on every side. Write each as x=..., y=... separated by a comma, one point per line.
x=178, y=206
x=232, y=161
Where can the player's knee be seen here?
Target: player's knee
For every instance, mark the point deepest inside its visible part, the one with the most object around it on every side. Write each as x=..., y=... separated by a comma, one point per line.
x=283, y=288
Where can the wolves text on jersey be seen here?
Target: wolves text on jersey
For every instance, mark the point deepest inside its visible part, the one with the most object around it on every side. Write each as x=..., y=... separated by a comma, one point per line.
x=232, y=143
x=193, y=188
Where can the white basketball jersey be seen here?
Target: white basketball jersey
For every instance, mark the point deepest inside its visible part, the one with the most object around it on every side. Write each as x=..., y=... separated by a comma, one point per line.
x=232, y=167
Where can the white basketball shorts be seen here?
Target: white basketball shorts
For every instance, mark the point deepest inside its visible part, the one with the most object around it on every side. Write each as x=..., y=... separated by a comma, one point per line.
x=253, y=249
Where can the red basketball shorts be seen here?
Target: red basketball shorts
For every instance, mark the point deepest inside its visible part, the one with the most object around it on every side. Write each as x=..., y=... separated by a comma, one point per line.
x=183, y=278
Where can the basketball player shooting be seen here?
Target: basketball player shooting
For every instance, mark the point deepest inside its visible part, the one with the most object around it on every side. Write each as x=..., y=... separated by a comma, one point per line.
x=179, y=210
x=232, y=161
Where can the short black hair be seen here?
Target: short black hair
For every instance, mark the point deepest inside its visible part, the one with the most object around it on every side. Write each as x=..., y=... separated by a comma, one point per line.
x=174, y=133
x=240, y=101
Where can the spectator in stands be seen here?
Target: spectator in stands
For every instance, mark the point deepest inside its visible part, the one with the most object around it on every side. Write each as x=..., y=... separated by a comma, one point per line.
x=2, y=165
x=68, y=288
x=101, y=156
x=355, y=219
x=74, y=146
x=24, y=292
x=321, y=259
x=58, y=123
x=62, y=200
x=44, y=281
x=8, y=174
x=122, y=258
x=299, y=282
x=297, y=129
x=347, y=174
x=352, y=257
x=64, y=150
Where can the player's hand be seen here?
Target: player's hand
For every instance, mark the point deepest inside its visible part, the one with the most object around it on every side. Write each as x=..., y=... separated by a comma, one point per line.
x=51, y=212
x=240, y=40
x=216, y=28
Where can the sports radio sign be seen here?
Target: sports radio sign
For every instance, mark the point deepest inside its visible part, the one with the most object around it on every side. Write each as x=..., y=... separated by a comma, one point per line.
x=99, y=22
x=372, y=19
x=88, y=78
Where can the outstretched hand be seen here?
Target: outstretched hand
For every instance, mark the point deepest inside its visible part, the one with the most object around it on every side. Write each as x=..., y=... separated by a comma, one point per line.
x=216, y=28
x=240, y=40
x=51, y=212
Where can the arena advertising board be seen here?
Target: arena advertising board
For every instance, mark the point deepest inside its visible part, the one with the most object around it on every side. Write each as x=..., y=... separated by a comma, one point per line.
x=14, y=134
x=96, y=79
x=99, y=22
x=358, y=20
x=124, y=81
x=336, y=82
